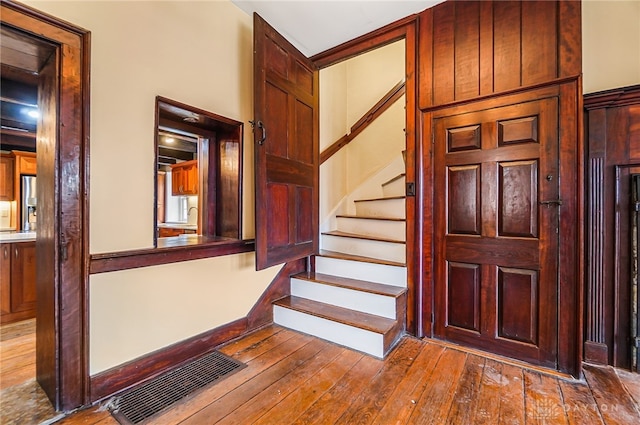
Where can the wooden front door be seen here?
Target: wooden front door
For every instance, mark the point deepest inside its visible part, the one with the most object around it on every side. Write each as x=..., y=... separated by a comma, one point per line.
x=496, y=229
x=286, y=149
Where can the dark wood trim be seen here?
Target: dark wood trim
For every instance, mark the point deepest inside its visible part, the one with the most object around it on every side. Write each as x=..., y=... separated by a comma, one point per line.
x=386, y=35
x=611, y=159
x=125, y=260
x=62, y=362
x=571, y=250
x=262, y=312
x=382, y=105
x=569, y=27
x=596, y=352
x=370, y=116
x=612, y=98
x=135, y=372
x=516, y=91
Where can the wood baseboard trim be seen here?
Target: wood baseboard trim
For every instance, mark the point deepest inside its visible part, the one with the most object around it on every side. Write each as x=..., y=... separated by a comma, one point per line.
x=596, y=353
x=123, y=377
x=112, y=381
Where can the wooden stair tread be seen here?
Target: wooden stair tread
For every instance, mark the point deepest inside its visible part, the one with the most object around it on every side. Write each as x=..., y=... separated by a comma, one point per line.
x=380, y=199
x=368, y=217
x=398, y=177
x=357, y=236
x=360, y=285
x=366, y=321
x=360, y=258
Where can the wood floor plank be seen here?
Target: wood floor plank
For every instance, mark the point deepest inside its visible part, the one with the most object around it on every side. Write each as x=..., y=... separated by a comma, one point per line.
x=13, y=330
x=543, y=401
x=226, y=404
x=256, y=365
x=328, y=408
x=91, y=416
x=487, y=409
x=256, y=337
x=295, y=378
x=614, y=403
x=310, y=391
x=631, y=382
x=466, y=393
x=435, y=402
x=253, y=409
x=579, y=404
x=512, y=407
x=403, y=400
x=367, y=405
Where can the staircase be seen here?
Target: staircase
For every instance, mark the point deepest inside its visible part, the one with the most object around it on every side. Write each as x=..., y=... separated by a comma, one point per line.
x=356, y=296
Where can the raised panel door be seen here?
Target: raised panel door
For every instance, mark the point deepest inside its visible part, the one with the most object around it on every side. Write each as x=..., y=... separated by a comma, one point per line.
x=496, y=268
x=23, y=277
x=286, y=150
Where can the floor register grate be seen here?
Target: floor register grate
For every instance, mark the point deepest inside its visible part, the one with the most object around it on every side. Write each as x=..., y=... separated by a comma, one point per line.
x=142, y=402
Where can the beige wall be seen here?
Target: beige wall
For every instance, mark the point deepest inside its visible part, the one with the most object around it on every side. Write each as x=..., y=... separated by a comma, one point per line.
x=199, y=53
x=610, y=44
x=333, y=125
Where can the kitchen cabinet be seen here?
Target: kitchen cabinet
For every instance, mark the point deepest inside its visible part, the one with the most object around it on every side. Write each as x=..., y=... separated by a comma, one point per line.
x=18, y=285
x=184, y=178
x=7, y=178
x=166, y=232
x=27, y=162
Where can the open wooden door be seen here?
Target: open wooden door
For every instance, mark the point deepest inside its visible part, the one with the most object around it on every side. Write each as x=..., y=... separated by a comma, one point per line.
x=286, y=149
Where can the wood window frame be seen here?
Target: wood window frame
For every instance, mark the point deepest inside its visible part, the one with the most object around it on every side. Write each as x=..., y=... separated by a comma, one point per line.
x=220, y=231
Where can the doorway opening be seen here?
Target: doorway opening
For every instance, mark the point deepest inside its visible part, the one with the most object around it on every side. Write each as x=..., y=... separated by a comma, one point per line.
x=56, y=60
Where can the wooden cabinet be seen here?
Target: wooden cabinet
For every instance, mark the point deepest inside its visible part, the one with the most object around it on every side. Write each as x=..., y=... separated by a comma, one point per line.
x=26, y=162
x=7, y=178
x=184, y=178
x=166, y=232
x=18, y=285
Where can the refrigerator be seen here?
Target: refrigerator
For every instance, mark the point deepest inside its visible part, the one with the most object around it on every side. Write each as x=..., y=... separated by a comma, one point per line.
x=28, y=203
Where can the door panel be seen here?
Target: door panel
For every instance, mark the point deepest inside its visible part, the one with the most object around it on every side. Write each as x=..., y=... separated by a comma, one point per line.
x=464, y=296
x=287, y=160
x=493, y=289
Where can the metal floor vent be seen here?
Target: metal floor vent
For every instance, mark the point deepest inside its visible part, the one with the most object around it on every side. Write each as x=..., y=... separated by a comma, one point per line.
x=144, y=401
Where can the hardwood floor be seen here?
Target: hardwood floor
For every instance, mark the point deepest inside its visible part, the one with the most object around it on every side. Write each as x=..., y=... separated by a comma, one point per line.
x=292, y=378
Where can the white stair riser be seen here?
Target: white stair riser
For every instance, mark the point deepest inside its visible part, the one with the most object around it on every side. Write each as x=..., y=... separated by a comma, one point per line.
x=388, y=251
x=378, y=273
x=392, y=208
x=366, y=302
x=395, y=188
x=358, y=339
x=378, y=228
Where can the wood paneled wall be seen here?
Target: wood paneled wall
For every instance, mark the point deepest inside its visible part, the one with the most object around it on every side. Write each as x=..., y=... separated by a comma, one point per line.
x=612, y=121
x=470, y=52
x=471, y=49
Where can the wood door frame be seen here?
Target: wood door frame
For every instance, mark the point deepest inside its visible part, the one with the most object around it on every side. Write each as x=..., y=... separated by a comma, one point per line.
x=62, y=331
x=403, y=29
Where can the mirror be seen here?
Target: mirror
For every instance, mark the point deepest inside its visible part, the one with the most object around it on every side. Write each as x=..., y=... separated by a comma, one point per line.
x=198, y=173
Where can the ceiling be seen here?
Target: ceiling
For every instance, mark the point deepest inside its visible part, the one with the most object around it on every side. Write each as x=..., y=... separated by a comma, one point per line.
x=314, y=26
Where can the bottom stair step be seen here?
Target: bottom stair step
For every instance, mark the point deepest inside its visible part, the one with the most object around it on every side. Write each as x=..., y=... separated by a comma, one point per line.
x=364, y=332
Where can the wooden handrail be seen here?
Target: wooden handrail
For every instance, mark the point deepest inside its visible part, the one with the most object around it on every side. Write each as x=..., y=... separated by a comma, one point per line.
x=383, y=104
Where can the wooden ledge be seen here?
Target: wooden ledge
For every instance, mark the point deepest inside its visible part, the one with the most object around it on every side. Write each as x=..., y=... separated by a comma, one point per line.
x=194, y=248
